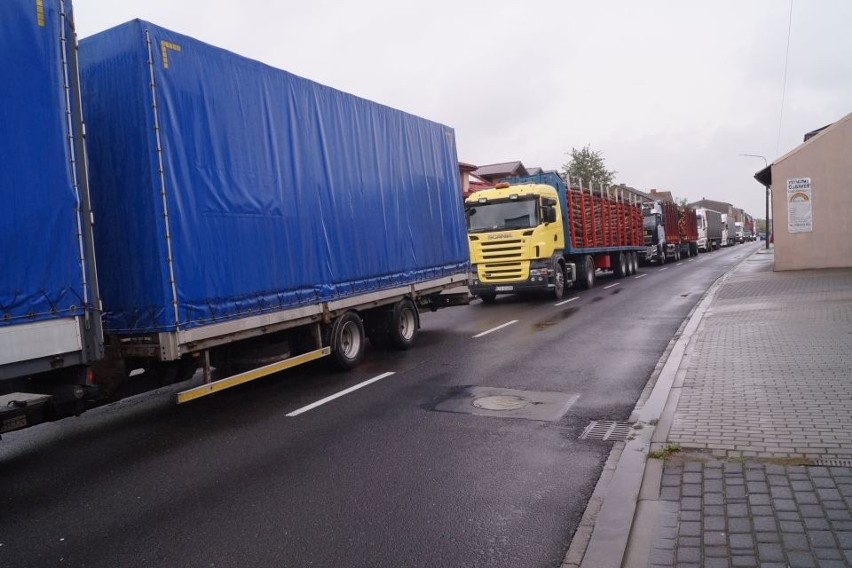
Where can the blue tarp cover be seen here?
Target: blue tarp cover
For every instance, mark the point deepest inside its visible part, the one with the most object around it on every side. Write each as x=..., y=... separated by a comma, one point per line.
x=276, y=191
x=41, y=274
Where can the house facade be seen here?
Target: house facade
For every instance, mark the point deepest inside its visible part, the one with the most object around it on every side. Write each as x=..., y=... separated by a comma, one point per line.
x=811, y=190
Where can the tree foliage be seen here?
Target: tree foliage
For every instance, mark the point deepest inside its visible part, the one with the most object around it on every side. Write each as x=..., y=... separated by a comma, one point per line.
x=589, y=165
x=683, y=201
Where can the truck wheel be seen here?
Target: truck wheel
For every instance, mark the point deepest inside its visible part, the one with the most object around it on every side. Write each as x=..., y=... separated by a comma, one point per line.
x=632, y=264
x=347, y=341
x=404, y=324
x=586, y=273
x=558, y=281
x=487, y=297
x=170, y=372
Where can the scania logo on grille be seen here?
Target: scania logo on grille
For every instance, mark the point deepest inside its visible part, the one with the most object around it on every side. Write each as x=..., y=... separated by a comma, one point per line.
x=496, y=236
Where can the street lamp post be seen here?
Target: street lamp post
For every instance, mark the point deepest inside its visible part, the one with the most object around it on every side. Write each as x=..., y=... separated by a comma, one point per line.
x=766, y=165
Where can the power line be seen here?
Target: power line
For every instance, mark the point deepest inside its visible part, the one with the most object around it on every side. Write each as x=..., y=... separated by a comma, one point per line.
x=784, y=86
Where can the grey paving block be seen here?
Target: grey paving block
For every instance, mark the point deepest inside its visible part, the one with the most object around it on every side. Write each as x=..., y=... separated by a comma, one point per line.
x=784, y=504
x=770, y=552
x=816, y=524
x=821, y=539
x=795, y=541
x=715, y=552
x=738, y=541
x=688, y=554
x=801, y=560
x=740, y=525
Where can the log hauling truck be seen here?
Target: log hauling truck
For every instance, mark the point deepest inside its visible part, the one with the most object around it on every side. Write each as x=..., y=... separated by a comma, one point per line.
x=535, y=234
x=671, y=232
x=232, y=215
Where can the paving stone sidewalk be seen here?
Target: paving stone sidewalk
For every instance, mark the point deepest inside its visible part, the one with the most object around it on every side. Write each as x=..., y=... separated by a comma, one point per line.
x=764, y=425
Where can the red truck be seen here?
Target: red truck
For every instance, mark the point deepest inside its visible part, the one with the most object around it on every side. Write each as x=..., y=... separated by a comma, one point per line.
x=671, y=232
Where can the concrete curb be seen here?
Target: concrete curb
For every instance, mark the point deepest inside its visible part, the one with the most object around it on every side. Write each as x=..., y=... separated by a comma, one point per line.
x=619, y=536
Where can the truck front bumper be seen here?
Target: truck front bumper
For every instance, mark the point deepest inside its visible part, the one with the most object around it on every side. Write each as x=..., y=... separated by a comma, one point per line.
x=510, y=288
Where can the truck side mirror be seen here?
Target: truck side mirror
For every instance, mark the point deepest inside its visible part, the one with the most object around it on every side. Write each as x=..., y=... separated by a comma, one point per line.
x=550, y=214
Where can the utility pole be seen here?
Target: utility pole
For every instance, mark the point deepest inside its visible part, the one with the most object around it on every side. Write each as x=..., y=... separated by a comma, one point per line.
x=766, y=165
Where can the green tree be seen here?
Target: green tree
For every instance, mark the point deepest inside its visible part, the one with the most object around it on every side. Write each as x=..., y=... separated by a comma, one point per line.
x=682, y=201
x=589, y=165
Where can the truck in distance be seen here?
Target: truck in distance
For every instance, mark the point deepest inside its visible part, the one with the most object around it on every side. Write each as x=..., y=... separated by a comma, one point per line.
x=534, y=234
x=670, y=232
x=709, y=224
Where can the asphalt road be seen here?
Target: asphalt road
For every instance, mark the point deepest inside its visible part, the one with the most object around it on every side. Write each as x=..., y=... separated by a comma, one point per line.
x=402, y=472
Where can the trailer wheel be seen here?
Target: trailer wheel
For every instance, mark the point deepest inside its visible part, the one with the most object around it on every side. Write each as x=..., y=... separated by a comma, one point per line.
x=619, y=264
x=404, y=324
x=558, y=281
x=632, y=263
x=586, y=273
x=347, y=341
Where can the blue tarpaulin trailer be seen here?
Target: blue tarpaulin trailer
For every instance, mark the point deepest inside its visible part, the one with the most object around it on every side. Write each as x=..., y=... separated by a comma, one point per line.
x=48, y=288
x=234, y=199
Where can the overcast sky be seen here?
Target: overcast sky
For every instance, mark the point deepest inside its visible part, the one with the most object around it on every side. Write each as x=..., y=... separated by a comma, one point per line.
x=671, y=92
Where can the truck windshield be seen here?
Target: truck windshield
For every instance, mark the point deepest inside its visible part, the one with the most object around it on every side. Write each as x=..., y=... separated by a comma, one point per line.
x=650, y=221
x=700, y=222
x=502, y=215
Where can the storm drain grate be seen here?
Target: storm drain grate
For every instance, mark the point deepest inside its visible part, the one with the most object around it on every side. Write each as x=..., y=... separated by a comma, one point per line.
x=606, y=430
x=834, y=463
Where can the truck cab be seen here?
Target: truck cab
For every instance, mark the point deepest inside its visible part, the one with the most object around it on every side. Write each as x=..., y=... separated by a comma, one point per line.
x=516, y=240
x=739, y=233
x=655, y=233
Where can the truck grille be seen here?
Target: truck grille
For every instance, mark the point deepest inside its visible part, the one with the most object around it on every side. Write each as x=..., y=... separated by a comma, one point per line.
x=501, y=271
x=502, y=250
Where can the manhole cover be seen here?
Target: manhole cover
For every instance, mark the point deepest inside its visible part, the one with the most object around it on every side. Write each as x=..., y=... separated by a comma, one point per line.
x=606, y=430
x=500, y=402
x=507, y=403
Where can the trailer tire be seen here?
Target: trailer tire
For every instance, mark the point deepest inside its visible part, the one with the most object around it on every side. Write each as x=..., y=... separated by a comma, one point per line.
x=347, y=341
x=404, y=324
x=586, y=273
x=633, y=263
x=616, y=260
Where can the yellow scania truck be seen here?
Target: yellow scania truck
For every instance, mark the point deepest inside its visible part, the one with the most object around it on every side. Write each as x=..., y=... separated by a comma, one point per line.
x=535, y=234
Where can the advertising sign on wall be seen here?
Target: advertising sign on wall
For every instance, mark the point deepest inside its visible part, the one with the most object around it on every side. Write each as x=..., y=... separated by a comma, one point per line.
x=799, y=210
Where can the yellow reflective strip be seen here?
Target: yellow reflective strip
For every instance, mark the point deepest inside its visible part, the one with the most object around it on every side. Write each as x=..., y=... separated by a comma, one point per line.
x=164, y=47
x=222, y=384
x=40, y=13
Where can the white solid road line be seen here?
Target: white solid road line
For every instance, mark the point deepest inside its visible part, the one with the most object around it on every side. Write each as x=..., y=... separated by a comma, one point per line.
x=563, y=302
x=641, y=276
x=678, y=264
x=508, y=323
x=610, y=286
x=666, y=268
x=341, y=393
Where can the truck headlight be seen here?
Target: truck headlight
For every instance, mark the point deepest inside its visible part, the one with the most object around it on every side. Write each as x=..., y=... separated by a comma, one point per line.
x=538, y=271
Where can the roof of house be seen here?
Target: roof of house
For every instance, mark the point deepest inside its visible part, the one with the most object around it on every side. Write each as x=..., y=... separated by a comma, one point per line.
x=501, y=170
x=764, y=176
x=661, y=195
